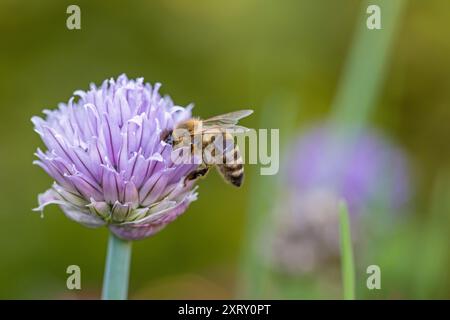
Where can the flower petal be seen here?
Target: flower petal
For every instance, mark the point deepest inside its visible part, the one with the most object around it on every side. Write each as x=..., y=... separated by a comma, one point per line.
x=141, y=230
x=83, y=217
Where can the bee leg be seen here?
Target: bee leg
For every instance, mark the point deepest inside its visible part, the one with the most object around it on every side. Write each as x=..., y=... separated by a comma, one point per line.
x=200, y=172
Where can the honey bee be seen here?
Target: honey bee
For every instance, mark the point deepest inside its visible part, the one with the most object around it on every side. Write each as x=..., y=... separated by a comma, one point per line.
x=214, y=133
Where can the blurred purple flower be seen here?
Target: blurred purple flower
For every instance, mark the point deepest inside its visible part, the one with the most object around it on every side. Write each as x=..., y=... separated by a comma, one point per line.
x=364, y=170
x=367, y=171
x=108, y=161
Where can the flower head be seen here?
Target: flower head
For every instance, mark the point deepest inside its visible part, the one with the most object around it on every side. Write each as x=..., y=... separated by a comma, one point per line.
x=324, y=167
x=364, y=170
x=109, y=163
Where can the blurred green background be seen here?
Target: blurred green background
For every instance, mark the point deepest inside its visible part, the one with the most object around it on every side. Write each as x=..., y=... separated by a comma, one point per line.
x=221, y=55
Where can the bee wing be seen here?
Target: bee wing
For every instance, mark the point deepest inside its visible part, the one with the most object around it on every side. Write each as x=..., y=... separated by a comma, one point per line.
x=219, y=124
x=221, y=129
x=227, y=119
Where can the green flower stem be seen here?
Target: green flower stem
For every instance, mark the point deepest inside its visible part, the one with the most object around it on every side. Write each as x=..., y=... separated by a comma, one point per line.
x=364, y=71
x=117, y=269
x=254, y=274
x=347, y=265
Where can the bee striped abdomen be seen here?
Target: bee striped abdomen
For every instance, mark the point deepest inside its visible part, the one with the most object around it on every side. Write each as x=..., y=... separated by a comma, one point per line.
x=232, y=168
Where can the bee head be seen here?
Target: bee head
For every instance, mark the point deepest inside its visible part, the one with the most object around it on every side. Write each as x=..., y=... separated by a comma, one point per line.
x=167, y=137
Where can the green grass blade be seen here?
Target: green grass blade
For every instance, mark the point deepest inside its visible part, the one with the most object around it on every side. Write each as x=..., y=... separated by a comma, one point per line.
x=347, y=265
x=254, y=274
x=366, y=64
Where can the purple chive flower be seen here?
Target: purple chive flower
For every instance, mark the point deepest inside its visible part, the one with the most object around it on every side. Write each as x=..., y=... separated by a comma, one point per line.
x=367, y=171
x=110, y=166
